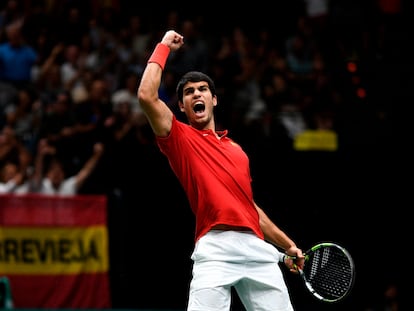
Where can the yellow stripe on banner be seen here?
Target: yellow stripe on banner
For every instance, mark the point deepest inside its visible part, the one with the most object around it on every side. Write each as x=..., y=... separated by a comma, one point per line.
x=74, y=250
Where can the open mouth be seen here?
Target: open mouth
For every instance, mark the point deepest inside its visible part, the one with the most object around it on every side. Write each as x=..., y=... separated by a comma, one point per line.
x=199, y=107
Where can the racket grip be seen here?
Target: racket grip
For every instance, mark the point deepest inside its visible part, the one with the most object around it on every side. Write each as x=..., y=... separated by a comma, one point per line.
x=282, y=257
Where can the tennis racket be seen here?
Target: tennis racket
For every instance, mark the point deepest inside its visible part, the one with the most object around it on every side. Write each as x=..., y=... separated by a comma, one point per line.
x=328, y=271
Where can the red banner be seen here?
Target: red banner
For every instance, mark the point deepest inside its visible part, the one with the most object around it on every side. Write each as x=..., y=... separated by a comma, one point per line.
x=54, y=250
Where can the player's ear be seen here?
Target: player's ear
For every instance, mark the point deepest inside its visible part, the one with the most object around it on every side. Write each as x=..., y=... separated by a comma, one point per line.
x=181, y=105
x=215, y=101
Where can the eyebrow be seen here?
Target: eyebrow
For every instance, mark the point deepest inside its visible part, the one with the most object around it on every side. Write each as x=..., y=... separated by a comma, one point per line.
x=191, y=88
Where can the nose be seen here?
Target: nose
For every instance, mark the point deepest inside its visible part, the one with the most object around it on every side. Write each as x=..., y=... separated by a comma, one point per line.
x=197, y=93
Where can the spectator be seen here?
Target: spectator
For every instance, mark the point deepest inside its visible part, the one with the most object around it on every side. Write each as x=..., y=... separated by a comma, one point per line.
x=140, y=36
x=11, y=13
x=58, y=120
x=17, y=58
x=53, y=179
x=15, y=162
x=127, y=94
x=73, y=24
x=93, y=116
x=71, y=69
x=24, y=115
x=12, y=150
x=13, y=179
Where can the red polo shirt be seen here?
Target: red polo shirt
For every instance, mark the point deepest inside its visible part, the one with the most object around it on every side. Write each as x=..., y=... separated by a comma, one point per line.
x=215, y=175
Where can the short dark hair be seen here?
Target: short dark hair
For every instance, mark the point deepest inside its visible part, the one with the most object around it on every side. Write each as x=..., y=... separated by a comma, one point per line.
x=194, y=76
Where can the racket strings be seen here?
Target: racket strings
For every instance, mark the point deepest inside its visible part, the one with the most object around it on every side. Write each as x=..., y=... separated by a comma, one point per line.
x=330, y=273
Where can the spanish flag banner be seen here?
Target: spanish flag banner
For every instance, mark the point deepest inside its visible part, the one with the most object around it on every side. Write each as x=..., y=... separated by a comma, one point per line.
x=54, y=250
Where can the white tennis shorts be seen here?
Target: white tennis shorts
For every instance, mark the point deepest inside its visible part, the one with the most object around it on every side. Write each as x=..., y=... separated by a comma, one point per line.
x=225, y=259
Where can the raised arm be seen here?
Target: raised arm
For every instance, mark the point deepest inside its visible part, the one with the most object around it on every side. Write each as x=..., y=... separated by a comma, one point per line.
x=90, y=165
x=158, y=113
x=43, y=149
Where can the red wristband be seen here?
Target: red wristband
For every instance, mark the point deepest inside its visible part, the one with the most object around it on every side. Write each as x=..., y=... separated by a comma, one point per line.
x=160, y=55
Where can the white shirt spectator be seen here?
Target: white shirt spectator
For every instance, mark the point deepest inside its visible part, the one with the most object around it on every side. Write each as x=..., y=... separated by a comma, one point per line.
x=67, y=187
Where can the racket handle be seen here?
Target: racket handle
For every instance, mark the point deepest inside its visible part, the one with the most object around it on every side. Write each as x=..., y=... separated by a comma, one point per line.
x=284, y=256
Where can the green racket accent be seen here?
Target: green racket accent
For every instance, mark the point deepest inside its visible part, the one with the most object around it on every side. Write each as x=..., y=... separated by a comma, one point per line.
x=328, y=271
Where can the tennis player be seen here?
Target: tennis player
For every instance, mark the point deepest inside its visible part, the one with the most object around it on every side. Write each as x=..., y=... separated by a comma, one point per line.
x=236, y=244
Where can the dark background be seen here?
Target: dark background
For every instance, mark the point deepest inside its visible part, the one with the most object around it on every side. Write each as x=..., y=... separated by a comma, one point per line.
x=351, y=196
x=320, y=197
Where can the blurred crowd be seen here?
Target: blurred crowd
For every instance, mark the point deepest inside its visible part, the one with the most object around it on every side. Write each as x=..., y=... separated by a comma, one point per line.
x=70, y=121
x=69, y=72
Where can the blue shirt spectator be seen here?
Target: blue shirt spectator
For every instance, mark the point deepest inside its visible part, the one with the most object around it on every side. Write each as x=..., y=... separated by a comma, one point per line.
x=16, y=57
